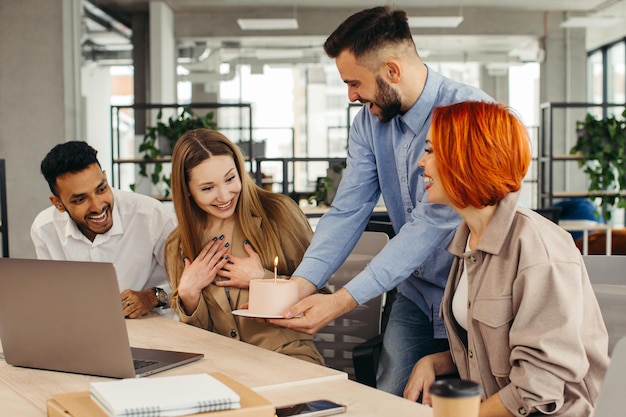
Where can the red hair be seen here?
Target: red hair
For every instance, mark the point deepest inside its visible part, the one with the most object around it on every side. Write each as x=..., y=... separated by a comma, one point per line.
x=482, y=152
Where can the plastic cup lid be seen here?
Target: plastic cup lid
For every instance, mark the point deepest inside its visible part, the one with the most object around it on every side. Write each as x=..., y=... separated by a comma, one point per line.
x=455, y=388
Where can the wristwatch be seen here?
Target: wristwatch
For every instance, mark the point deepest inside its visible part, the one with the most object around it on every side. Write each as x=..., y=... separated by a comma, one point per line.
x=161, y=295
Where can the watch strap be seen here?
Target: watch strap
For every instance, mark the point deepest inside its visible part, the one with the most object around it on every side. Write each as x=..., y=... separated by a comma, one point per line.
x=161, y=296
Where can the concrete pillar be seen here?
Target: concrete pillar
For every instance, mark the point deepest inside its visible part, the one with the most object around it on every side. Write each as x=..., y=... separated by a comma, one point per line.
x=39, y=103
x=201, y=94
x=563, y=71
x=563, y=80
x=162, y=54
x=141, y=63
x=156, y=79
x=97, y=86
x=495, y=82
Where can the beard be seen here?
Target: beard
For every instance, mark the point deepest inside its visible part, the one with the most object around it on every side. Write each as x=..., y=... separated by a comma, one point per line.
x=388, y=101
x=88, y=229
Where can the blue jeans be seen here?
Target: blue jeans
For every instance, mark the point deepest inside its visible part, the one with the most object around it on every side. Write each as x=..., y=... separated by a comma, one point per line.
x=408, y=337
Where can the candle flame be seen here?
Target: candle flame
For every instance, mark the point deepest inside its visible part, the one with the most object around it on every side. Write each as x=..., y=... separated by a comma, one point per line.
x=276, y=261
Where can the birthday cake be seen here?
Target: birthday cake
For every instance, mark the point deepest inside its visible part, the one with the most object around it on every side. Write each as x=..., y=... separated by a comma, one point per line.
x=271, y=297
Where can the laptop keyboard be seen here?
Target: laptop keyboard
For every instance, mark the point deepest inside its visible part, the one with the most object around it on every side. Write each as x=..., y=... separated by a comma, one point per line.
x=140, y=363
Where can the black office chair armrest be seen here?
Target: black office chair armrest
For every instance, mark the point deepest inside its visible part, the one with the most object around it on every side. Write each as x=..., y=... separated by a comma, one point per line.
x=365, y=359
x=381, y=226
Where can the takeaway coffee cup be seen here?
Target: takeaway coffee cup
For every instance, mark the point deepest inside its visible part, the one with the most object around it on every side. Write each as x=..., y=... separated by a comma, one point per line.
x=455, y=398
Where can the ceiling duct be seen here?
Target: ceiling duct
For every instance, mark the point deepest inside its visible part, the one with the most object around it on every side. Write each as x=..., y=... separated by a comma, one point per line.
x=208, y=77
x=104, y=40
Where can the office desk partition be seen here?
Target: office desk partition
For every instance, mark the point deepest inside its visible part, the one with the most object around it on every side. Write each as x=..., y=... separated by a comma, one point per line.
x=27, y=390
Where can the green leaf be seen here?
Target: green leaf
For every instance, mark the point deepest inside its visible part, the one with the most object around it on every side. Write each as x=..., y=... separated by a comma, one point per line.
x=172, y=129
x=602, y=144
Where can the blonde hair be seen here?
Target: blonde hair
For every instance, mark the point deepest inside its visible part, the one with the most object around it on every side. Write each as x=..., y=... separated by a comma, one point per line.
x=276, y=211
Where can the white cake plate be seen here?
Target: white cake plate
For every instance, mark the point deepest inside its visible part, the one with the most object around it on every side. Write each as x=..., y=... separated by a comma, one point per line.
x=246, y=313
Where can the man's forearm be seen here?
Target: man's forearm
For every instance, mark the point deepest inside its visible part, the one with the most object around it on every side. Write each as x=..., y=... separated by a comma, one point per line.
x=345, y=302
x=305, y=287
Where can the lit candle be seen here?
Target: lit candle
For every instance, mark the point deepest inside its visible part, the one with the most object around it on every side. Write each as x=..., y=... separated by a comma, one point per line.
x=275, y=265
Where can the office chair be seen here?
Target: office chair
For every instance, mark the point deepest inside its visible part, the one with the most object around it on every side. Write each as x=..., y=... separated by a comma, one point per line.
x=550, y=213
x=611, y=400
x=606, y=274
x=365, y=355
x=336, y=340
x=596, y=242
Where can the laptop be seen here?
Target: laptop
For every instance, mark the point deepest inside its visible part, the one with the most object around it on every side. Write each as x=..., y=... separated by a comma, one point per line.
x=67, y=316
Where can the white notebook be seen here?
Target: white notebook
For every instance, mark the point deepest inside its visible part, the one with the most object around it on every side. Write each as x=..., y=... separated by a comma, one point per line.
x=164, y=396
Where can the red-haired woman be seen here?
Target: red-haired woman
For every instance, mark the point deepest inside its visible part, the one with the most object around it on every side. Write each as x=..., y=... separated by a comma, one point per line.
x=521, y=315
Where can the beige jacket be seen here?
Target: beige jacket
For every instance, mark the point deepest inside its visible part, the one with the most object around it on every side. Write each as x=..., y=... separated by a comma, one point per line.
x=535, y=331
x=214, y=312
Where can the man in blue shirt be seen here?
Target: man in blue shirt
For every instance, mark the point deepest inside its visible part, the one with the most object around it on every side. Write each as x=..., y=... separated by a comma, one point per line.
x=376, y=57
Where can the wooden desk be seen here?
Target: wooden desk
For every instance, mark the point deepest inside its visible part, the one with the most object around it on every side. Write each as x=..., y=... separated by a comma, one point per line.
x=14, y=404
x=24, y=391
x=360, y=399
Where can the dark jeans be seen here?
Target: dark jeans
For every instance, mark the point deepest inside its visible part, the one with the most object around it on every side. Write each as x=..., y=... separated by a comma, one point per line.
x=408, y=337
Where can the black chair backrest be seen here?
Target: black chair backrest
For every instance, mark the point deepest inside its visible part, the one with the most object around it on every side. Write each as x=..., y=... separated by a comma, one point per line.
x=551, y=213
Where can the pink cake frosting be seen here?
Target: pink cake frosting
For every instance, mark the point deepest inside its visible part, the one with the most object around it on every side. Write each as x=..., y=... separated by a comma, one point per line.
x=271, y=298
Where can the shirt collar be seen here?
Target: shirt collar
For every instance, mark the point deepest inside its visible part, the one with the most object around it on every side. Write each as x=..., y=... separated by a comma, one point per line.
x=497, y=229
x=416, y=116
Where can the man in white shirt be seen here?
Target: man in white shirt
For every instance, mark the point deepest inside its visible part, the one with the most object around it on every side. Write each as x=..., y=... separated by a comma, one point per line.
x=89, y=221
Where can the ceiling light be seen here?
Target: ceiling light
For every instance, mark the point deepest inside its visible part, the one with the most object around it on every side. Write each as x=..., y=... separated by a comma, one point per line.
x=435, y=21
x=267, y=24
x=590, y=21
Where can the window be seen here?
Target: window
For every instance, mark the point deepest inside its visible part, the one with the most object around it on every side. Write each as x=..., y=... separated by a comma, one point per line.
x=606, y=77
x=615, y=76
x=595, y=83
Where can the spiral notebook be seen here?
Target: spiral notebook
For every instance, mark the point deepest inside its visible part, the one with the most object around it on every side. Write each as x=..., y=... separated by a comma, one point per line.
x=165, y=396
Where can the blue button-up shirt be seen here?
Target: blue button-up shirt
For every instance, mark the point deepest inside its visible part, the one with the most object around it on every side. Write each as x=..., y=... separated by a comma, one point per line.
x=382, y=158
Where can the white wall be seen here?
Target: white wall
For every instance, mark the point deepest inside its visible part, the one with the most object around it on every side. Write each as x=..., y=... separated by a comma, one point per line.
x=33, y=104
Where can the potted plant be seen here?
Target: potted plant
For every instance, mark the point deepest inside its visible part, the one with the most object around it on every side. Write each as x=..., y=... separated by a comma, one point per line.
x=159, y=141
x=323, y=187
x=334, y=174
x=601, y=145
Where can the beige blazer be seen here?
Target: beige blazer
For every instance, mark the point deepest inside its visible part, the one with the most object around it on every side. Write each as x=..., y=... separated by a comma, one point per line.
x=535, y=332
x=214, y=312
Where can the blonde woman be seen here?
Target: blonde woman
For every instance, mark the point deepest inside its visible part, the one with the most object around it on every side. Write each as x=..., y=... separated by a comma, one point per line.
x=229, y=232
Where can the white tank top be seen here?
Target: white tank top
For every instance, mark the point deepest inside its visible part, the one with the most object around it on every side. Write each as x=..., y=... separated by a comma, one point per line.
x=459, y=299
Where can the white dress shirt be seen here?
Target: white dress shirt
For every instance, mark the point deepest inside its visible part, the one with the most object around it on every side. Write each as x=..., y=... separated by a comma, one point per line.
x=135, y=244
